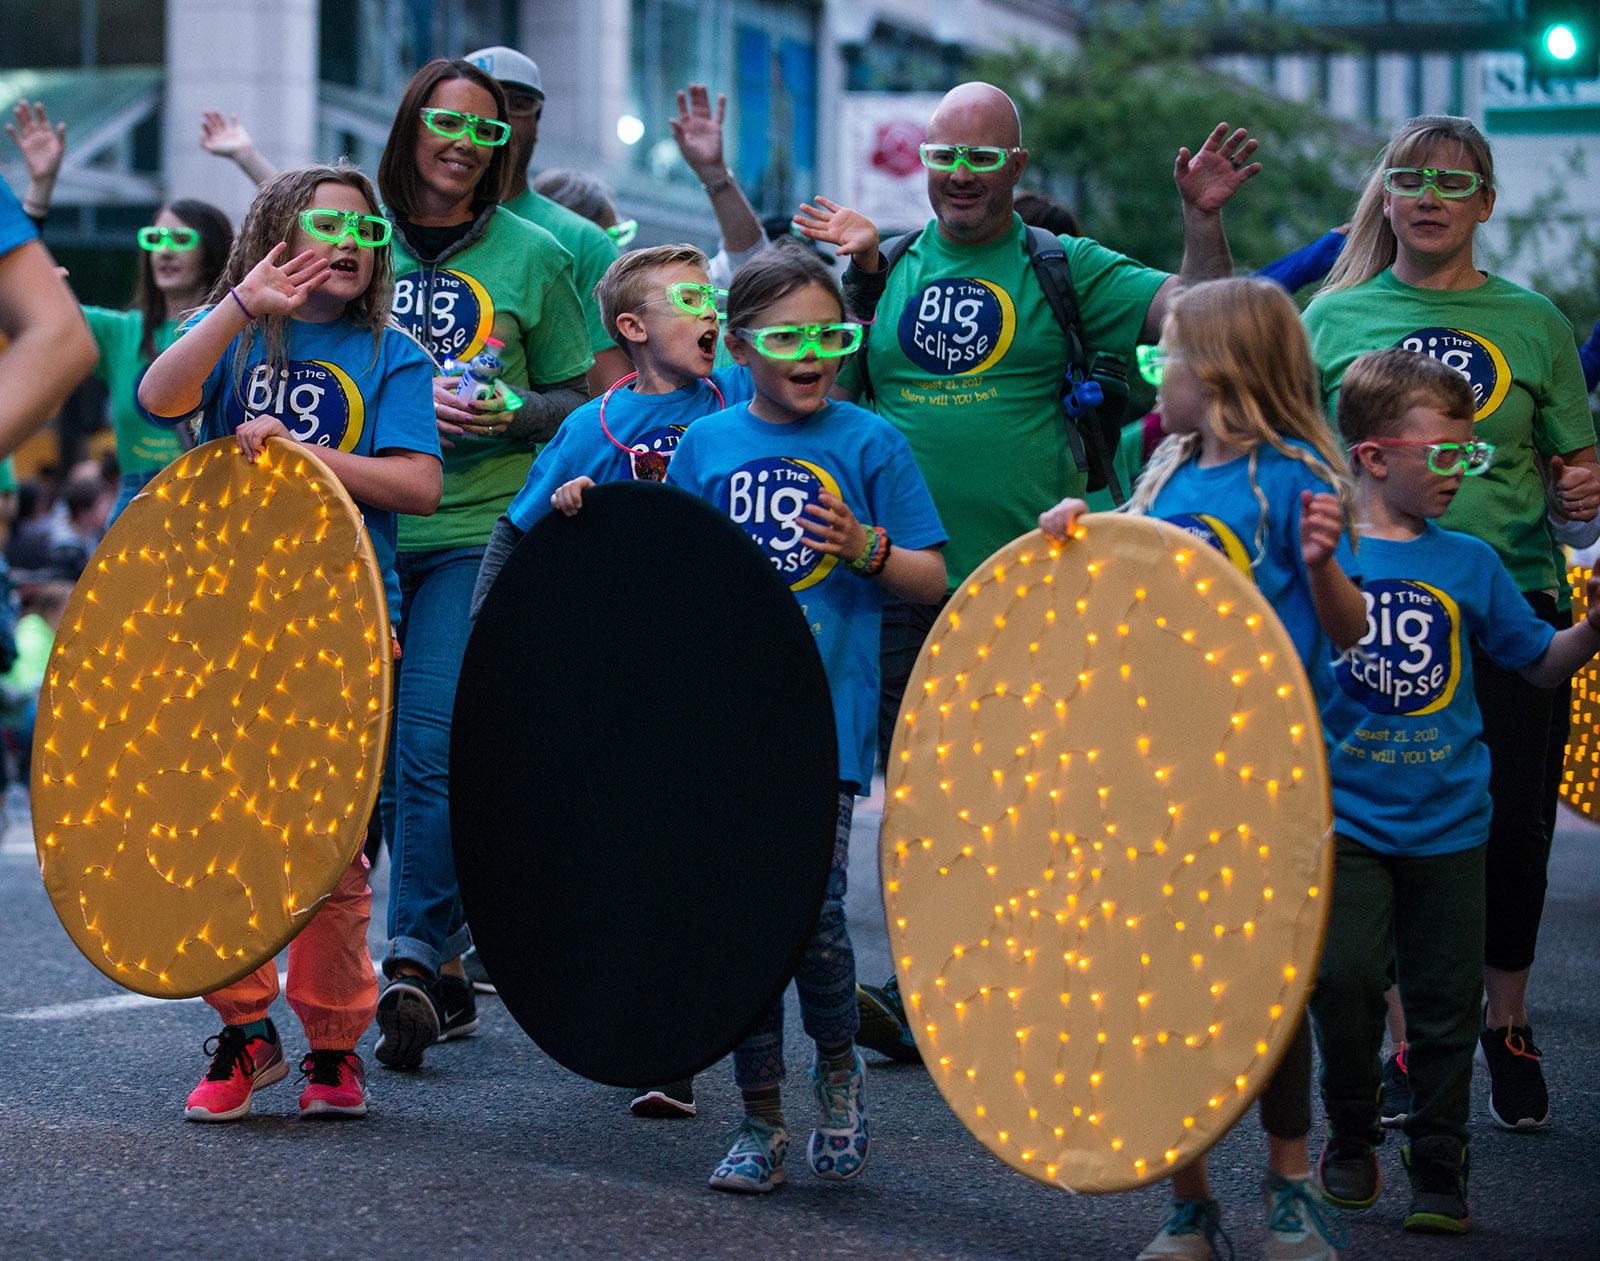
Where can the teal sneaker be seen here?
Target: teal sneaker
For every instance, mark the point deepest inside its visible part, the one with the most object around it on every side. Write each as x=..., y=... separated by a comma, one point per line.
x=883, y=1022
x=840, y=1143
x=1192, y=1232
x=1298, y=1228
x=754, y=1164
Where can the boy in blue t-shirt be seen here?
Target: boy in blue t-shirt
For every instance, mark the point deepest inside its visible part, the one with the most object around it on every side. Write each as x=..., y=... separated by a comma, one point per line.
x=1410, y=781
x=660, y=307
x=801, y=474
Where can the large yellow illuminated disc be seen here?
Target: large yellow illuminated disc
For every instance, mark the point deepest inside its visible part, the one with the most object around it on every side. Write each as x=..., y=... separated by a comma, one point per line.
x=212, y=725
x=1582, y=769
x=1106, y=851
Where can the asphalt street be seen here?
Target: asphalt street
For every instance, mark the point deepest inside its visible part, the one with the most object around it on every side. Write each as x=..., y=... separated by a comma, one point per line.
x=495, y=1151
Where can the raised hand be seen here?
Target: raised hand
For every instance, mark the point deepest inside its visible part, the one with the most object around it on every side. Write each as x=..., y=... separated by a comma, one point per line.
x=271, y=289
x=698, y=131
x=829, y=526
x=225, y=137
x=849, y=231
x=1208, y=180
x=1321, y=523
x=42, y=145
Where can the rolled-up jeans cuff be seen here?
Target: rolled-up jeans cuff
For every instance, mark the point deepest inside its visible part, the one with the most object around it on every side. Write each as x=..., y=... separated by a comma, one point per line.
x=412, y=950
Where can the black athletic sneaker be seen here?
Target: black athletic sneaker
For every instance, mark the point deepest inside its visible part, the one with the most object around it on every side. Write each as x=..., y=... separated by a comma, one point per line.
x=458, y=1007
x=1395, y=1102
x=883, y=1022
x=1437, y=1166
x=1518, y=1097
x=670, y=1102
x=1347, y=1171
x=408, y=1021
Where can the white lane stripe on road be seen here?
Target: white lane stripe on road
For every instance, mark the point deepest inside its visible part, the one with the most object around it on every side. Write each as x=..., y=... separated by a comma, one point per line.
x=99, y=1006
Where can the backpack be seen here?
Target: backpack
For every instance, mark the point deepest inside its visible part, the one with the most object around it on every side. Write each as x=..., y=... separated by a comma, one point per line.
x=1092, y=431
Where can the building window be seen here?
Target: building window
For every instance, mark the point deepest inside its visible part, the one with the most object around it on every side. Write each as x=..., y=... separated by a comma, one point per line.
x=894, y=59
x=63, y=33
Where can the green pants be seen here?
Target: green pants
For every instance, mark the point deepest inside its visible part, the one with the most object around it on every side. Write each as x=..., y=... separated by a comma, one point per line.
x=1425, y=914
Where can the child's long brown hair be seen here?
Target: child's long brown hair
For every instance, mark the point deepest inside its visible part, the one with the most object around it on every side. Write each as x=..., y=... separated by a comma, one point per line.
x=273, y=217
x=1244, y=340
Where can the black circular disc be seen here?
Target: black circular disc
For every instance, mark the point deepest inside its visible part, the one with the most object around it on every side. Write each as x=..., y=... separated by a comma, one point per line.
x=643, y=785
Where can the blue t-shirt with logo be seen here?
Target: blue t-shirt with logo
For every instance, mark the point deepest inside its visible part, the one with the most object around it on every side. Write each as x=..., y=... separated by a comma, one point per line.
x=763, y=475
x=331, y=393
x=641, y=422
x=1220, y=505
x=15, y=226
x=1410, y=769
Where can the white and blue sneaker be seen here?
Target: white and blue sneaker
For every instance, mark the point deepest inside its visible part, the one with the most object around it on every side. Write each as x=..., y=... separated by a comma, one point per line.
x=840, y=1143
x=754, y=1164
x=1192, y=1232
x=1299, y=1228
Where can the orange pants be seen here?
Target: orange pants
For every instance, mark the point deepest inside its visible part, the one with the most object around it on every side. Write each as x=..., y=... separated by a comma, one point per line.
x=332, y=986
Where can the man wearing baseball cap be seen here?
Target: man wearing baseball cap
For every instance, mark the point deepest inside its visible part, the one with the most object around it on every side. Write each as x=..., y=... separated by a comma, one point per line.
x=591, y=249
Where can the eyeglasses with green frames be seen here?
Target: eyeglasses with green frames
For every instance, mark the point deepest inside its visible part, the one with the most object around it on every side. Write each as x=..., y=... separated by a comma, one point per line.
x=175, y=239
x=695, y=299
x=1153, y=361
x=1470, y=459
x=368, y=231
x=452, y=125
x=1413, y=181
x=795, y=341
x=623, y=233
x=975, y=157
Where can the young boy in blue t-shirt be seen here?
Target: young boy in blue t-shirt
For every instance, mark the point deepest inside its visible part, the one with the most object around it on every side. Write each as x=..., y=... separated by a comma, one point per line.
x=1410, y=781
x=660, y=307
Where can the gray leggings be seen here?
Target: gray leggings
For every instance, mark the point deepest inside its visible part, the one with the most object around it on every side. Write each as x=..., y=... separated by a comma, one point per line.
x=825, y=979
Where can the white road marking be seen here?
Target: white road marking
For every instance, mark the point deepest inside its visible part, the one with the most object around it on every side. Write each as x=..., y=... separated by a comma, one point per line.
x=99, y=1006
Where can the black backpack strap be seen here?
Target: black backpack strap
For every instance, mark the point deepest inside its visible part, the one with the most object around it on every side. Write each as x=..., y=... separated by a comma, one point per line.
x=863, y=289
x=1092, y=448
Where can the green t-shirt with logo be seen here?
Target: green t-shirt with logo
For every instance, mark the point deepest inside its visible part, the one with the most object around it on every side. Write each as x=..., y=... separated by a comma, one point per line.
x=966, y=359
x=591, y=248
x=1516, y=350
x=513, y=281
x=141, y=446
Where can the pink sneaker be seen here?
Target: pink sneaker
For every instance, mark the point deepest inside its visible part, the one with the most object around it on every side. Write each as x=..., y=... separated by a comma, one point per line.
x=239, y=1067
x=336, y=1085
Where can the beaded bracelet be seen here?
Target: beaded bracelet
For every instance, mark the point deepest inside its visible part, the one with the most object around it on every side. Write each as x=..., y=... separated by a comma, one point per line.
x=880, y=555
x=859, y=564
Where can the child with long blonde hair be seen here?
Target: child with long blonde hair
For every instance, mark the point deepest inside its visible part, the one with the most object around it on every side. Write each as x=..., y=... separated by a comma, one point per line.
x=1250, y=466
x=298, y=344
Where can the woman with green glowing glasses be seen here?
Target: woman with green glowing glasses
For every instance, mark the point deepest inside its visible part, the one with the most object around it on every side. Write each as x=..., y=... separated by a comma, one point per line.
x=181, y=254
x=466, y=269
x=1407, y=279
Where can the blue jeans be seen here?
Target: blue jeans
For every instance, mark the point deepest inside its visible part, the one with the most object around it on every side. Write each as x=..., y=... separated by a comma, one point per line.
x=426, y=924
x=825, y=979
x=132, y=484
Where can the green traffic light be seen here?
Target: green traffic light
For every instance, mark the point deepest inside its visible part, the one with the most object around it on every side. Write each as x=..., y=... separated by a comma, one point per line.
x=1560, y=42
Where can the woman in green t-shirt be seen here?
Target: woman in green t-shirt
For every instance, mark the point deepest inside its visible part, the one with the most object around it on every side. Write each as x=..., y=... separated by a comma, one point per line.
x=182, y=252
x=1407, y=279
x=466, y=269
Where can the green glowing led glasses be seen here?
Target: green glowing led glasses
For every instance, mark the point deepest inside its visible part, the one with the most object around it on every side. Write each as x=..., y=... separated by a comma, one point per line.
x=696, y=299
x=368, y=231
x=623, y=233
x=452, y=125
x=975, y=157
x=1445, y=458
x=795, y=341
x=1153, y=361
x=178, y=239
x=1413, y=181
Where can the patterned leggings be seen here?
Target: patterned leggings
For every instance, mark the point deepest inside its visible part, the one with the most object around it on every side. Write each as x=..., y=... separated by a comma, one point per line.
x=825, y=979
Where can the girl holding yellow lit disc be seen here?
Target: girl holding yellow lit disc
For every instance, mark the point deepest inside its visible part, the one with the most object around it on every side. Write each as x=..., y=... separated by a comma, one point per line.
x=297, y=344
x=1251, y=468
